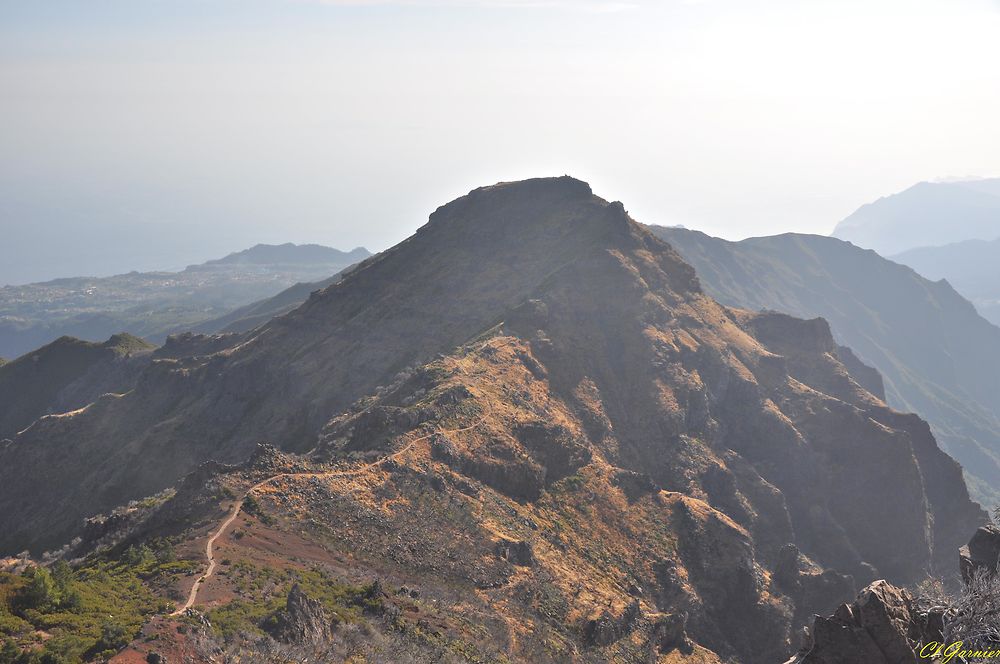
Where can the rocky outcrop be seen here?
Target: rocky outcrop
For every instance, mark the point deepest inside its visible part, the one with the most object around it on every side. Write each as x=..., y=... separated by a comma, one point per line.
x=670, y=633
x=516, y=553
x=885, y=625
x=189, y=344
x=981, y=554
x=608, y=628
x=302, y=621
x=877, y=628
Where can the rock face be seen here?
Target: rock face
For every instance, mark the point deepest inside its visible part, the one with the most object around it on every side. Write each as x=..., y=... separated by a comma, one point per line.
x=303, y=621
x=939, y=357
x=815, y=591
x=609, y=628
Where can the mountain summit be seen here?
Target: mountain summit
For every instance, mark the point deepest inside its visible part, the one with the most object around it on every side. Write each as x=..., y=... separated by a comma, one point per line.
x=529, y=410
x=288, y=254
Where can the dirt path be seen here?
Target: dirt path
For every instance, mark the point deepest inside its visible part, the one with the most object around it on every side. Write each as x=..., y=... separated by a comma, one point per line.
x=238, y=505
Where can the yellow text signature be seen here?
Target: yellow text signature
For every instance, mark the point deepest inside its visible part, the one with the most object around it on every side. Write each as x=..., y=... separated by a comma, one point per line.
x=949, y=651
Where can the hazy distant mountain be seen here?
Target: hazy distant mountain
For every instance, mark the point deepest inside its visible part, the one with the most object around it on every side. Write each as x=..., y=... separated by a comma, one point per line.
x=926, y=214
x=972, y=267
x=938, y=357
x=291, y=254
x=154, y=304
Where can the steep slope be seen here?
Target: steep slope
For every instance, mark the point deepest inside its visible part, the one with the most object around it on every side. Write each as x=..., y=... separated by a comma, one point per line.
x=153, y=305
x=452, y=279
x=938, y=357
x=257, y=313
x=529, y=423
x=972, y=267
x=751, y=415
x=65, y=375
x=926, y=214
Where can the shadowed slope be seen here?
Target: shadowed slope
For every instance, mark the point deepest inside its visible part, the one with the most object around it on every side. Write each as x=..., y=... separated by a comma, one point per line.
x=476, y=258
x=65, y=375
x=938, y=357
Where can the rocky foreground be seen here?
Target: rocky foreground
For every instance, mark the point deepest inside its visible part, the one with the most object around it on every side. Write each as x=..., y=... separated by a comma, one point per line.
x=886, y=625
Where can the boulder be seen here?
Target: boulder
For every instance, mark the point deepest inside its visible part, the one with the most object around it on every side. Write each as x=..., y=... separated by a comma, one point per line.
x=981, y=553
x=516, y=553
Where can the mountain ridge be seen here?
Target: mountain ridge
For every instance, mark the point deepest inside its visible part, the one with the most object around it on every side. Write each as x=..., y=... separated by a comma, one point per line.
x=969, y=266
x=66, y=374
x=276, y=254
x=926, y=214
x=571, y=438
x=937, y=355
x=153, y=305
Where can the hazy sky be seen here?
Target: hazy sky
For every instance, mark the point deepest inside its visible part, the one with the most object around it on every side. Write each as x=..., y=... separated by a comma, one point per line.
x=155, y=133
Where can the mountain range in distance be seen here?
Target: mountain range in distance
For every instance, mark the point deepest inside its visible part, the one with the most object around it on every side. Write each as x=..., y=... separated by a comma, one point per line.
x=154, y=304
x=944, y=230
x=972, y=267
x=524, y=432
x=925, y=215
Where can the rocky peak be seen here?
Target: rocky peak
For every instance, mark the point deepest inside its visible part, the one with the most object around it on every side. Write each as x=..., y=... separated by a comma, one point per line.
x=303, y=621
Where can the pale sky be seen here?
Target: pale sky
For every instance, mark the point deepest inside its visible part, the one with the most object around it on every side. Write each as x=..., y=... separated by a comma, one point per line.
x=155, y=133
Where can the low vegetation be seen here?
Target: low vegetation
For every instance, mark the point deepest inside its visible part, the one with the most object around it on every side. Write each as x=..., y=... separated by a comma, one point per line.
x=65, y=614
x=263, y=592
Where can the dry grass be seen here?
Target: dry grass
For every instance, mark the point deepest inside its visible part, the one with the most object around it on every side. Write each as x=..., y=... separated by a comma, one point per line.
x=974, y=618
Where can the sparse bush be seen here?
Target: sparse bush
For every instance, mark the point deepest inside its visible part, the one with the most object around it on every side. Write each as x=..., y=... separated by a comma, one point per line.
x=138, y=556
x=973, y=617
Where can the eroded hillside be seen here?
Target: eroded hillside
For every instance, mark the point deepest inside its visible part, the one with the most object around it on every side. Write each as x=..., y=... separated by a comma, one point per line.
x=546, y=443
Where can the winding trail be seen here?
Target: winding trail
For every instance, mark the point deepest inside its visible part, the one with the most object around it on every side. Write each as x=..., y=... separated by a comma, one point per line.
x=238, y=505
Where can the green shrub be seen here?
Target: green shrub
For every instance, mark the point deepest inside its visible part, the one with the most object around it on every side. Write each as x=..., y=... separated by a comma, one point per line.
x=9, y=652
x=114, y=636
x=40, y=593
x=90, y=611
